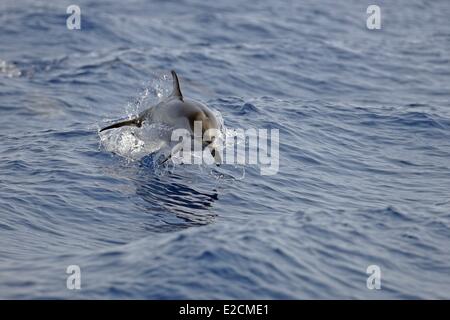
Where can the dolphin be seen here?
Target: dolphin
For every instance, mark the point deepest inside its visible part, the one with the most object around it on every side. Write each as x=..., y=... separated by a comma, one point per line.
x=179, y=113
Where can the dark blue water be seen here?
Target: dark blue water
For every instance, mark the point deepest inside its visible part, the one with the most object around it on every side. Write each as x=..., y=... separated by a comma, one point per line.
x=364, y=178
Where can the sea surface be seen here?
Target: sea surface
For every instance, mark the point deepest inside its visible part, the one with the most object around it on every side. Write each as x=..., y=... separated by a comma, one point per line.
x=364, y=151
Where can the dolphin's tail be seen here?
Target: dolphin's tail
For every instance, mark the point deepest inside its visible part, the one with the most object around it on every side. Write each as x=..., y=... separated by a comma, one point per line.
x=137, y=122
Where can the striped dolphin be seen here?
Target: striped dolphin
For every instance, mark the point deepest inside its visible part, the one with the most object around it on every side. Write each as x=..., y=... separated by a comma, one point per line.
x=179, y=113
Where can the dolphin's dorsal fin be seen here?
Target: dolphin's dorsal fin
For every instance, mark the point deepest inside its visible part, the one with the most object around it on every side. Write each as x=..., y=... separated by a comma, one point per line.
x=176, y=93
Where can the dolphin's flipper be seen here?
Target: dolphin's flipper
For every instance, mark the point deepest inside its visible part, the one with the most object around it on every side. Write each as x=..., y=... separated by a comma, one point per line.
x=176, y=93
x=176, y=149
x=137, y=122
x=167, y=159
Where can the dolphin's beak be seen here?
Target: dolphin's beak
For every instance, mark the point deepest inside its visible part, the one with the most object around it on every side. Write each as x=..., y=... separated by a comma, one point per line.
x=216, y=156
x=213, y=150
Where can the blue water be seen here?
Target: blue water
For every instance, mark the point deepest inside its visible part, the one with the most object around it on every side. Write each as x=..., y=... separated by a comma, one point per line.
x=364, y=177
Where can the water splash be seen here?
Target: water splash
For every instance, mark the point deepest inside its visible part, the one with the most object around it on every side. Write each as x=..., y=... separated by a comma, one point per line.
x=10, y=70
x=135, y=143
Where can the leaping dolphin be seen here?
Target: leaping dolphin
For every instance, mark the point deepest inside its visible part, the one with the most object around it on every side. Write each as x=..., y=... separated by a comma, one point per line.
x=178, y=112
